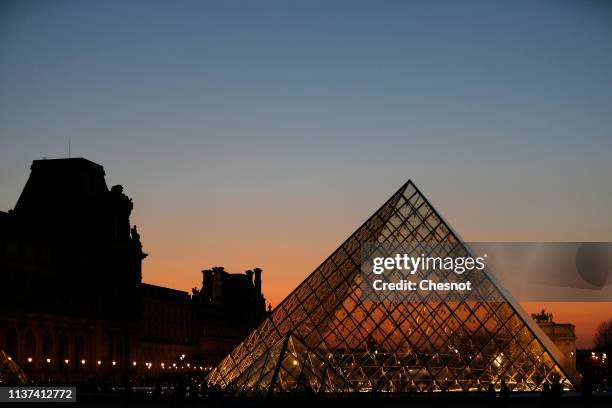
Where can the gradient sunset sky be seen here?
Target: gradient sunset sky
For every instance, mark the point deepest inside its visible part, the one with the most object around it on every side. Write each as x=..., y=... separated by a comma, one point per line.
x=264, y=133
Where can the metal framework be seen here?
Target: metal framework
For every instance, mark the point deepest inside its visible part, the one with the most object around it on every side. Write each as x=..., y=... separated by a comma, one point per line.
x=327, y=338
x=10, y=372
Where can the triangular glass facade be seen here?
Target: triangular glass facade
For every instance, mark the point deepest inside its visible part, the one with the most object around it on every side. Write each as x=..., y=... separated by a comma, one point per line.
x=290, y=367
x=428, y=344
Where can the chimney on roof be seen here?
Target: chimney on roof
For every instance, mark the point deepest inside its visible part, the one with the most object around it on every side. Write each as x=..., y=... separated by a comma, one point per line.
x=257, y=272
x=207, y=284
x=217, y=292
x=249, y=274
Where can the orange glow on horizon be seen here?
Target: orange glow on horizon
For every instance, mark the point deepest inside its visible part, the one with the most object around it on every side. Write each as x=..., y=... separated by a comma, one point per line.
x=586, y=316
x=288, y=243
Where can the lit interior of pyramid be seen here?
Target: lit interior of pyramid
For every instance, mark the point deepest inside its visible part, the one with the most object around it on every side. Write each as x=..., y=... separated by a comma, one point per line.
x=10, y=372
x=429, y=344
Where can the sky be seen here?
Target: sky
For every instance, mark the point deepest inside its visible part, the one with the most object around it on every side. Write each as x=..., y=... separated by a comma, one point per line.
x=264, y=133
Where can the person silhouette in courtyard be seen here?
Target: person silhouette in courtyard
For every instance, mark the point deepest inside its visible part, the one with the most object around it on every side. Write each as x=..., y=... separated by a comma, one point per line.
x=556, y=389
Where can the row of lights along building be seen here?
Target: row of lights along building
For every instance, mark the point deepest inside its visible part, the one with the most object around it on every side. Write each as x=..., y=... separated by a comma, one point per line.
x=148, y=364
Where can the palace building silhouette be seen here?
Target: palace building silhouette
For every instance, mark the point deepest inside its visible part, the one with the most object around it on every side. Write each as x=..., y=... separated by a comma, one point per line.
x=73, y=303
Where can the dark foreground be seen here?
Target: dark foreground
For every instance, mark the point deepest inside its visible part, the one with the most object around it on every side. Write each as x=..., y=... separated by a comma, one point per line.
x=409, y=401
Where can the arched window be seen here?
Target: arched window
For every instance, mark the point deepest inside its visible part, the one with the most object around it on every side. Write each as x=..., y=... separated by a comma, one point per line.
x=47, y=346
x=64, y=350
x=30, y=345
x=12, y=342
x=79, y=350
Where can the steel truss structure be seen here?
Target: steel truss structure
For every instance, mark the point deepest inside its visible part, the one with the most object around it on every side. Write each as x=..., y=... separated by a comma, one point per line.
x=10, y=372
x=325, y=337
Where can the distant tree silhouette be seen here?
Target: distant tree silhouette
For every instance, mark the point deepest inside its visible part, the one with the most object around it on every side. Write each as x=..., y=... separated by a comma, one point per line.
x=603, y=337
x=603, y=344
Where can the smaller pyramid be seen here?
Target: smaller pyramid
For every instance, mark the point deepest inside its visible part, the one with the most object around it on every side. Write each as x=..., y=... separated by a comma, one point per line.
x=289, y=366
x=10, y=372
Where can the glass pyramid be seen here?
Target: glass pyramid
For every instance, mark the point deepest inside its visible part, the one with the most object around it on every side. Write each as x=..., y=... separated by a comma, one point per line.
x=428, y=344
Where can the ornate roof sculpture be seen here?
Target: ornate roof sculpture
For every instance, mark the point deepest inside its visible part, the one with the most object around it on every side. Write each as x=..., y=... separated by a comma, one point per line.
x=427, y=344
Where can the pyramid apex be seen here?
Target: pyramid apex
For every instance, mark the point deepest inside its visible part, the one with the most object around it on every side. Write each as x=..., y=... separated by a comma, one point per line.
x=408, y=182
